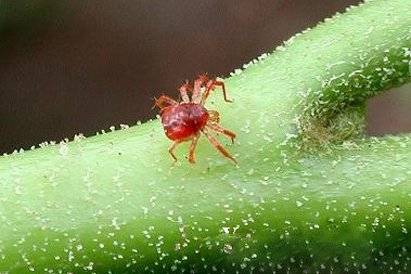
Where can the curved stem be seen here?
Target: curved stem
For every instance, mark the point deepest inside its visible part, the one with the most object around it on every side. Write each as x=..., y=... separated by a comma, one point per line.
x=114, y=202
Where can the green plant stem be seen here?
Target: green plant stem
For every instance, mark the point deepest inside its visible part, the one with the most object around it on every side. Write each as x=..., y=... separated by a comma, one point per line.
x=114, y=202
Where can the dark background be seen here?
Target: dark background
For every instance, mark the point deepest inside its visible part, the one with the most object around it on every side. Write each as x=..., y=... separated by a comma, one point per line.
x=81, y=66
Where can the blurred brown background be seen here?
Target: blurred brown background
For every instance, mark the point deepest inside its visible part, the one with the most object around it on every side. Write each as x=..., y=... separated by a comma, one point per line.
x=81, y=66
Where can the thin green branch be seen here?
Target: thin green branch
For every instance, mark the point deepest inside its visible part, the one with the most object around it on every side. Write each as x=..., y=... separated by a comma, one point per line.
x=114, y=202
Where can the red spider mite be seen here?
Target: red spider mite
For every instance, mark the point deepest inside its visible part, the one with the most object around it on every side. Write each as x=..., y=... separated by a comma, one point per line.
x=186, y=120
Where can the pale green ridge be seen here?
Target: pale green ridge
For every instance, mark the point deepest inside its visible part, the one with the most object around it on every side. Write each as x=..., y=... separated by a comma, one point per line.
x=115, y=203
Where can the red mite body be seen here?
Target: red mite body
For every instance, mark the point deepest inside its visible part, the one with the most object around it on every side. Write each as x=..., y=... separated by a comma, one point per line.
x=186, y=121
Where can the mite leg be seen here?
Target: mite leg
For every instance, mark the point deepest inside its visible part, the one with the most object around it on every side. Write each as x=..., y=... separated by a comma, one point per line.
x=218, y=146
x=193, y=145
x=220, y=129
x=172, y=148
x=163, y=101
x=211, y=85
x=214, y=116
x=198, y=84
x=184, y=89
